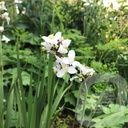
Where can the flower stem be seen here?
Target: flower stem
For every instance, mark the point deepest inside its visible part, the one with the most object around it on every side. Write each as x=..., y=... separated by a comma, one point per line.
x=1, y=85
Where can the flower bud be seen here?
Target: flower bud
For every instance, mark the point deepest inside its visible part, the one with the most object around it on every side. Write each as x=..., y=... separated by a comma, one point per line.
x=5, y=16
x=2, y=5
x=1, y=29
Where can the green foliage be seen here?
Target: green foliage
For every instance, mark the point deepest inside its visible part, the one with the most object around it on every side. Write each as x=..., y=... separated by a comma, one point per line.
x=99, y=37
x=34, y=100
x=37, y=16
x=29, y=54
x=69, y=12
x=98, y=110
x=115, y=116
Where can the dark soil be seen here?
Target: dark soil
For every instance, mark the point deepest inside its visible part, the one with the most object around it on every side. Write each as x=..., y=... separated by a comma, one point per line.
x=67, y=118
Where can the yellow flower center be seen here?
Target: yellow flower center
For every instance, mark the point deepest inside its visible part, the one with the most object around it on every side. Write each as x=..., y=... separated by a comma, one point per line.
x=51, y=36
x=43, y=49
x=65, y=68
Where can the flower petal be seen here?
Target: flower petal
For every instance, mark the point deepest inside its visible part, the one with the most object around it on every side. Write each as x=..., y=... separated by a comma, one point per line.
x=71, y=54
x=60, y=73
x=72, y=70
x=72, y=78
x=47, y=46
x=87, y=70
x=62, y=49
x=65, y=60
x=58, y=35
x=76, y=64
x=46, y=39
x=1, y=29
x=6, y=39
x=66, y=43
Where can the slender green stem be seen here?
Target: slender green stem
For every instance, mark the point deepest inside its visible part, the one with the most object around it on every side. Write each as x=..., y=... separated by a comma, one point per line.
x=41, y=16
x=53, y=18
x=1, y=86
x=20, y=87
x=50, y=85
x=85, y=98
x=98, y=103
x=10, y=104
x=123, y=31
x=50, y=92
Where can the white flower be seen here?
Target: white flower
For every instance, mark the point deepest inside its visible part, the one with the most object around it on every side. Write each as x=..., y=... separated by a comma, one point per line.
x=70, y=59
x=24, y=10
x=74, y=77
x=57, y=35
x=66, y=69
x=114, y=3
x=58, y=46
x=62, y=68
x=51, y=41
x=62, y=50
x=1, y=29
x=56, y=43
x=106, y=3
x=4, y=38
x=63, y=47
x=2, y=5
x=17, y=9
x=47, y=46
x=76, y=64
x=18, y=1
x=5, y=16
x=86, y=70
x=71, y=70
x=66, y=43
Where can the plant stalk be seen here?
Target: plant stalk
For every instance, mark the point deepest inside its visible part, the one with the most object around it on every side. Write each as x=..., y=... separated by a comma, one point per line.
x=1, y=85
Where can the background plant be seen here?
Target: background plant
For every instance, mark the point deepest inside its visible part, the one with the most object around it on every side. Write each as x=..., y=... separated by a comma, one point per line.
x=99, y=37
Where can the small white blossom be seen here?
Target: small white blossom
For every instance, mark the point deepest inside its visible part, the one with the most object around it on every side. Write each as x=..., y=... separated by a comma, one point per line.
x=6, y=39
x=74, y=77
x=72, y=70
x=62, y=68
x=62, y=49
x=5, y=16
x=86, y=70
x=70, y=59
x=2, y=5
x=18, y=1
x=51, y=41
x=17, y=9
x=66, y=69
x=76, y=64
x=1, y=29
x=24, y=10
x=114, y=3
x=47, y=46
x=66, y=43
x=56, y=44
